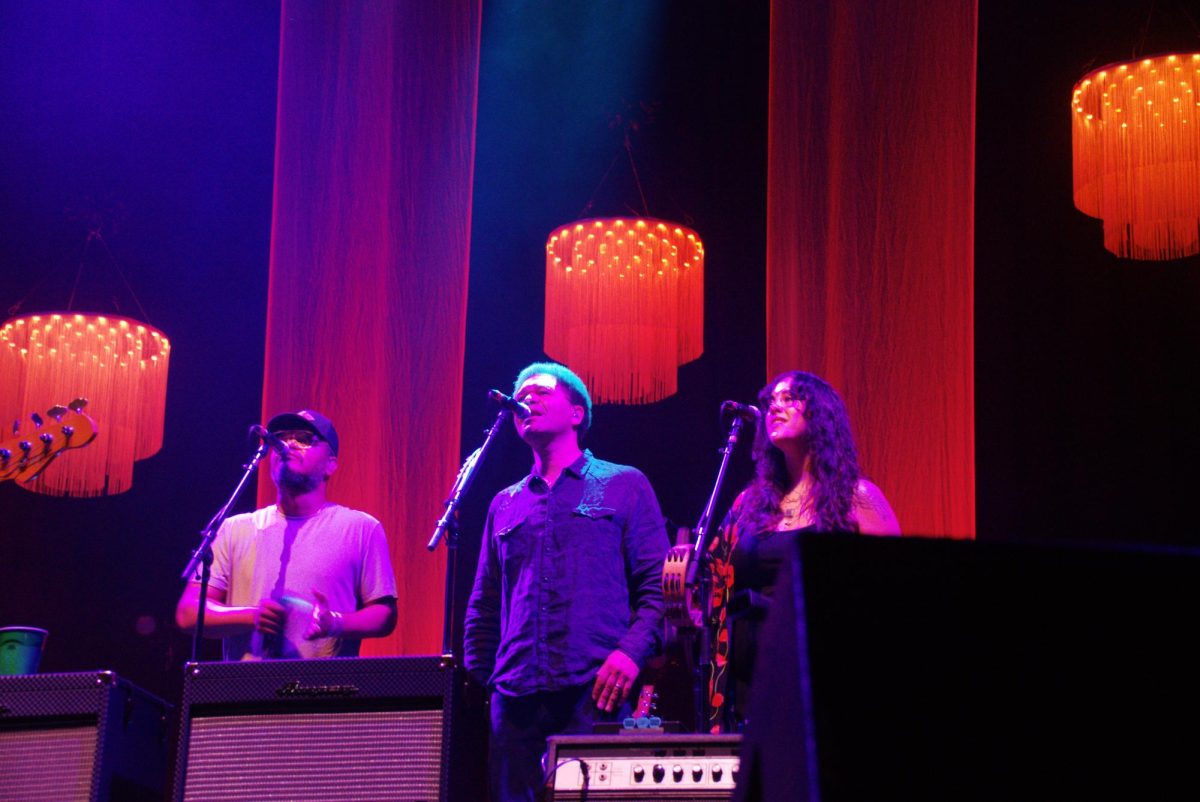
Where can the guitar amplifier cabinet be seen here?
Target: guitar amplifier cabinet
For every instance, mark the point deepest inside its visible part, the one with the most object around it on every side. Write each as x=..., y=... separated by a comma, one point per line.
x=81, y=736
x=396, y=728
x=632, y=768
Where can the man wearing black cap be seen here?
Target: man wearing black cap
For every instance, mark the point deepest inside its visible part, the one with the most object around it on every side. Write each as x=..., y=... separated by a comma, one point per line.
x=303, y=577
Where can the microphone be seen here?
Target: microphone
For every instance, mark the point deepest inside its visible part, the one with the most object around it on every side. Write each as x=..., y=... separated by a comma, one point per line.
x=271, y=439
x=511, y=404
x=747, y=412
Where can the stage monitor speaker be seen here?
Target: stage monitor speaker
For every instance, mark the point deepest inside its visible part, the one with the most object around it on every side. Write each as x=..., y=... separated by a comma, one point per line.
x=911, y=668
x=81, y=736
x=395, y=728
x=633, y=767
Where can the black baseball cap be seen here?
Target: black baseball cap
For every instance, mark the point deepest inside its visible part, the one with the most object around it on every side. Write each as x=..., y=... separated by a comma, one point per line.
x=306, y=420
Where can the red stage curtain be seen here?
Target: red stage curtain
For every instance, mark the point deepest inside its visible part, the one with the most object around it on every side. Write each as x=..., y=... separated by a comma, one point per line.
x=366, y=317
x=870, y=234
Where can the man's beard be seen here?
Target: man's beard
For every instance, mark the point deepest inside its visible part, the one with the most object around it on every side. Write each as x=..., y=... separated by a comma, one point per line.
x=297, y=483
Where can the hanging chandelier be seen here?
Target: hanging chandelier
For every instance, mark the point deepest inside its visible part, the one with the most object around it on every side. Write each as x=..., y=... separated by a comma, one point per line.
x=119, y=365
x=1136, y=154
x=625, y=304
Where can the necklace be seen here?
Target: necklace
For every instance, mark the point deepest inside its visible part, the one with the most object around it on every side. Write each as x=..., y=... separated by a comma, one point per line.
x=794, y=505
x=792, y=514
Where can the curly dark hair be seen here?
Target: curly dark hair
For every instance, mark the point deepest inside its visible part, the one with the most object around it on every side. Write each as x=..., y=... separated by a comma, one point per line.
x=834, y=459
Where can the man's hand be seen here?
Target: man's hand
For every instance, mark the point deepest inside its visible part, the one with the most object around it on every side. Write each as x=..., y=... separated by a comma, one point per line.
x=269, y=617
x=615, y=681
x=324, y=623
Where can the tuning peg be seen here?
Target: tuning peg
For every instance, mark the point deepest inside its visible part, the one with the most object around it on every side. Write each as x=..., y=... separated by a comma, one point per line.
x=37, y=420
x=78, y=404
x=56, y=412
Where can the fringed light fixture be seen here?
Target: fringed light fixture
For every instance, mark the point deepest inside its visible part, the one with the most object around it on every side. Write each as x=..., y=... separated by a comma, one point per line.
x=625, y=304
x=119, y=365
x=1136, y=136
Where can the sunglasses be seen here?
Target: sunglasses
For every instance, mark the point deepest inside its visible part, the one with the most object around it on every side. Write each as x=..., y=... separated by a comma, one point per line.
x=301, y=437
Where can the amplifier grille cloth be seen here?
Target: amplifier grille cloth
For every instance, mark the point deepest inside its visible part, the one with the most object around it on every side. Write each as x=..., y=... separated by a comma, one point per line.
x=318, y=756
x=50, y=765
x=667, y=794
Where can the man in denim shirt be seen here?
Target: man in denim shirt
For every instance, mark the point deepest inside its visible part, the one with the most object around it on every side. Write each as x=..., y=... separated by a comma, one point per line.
x=567, y=605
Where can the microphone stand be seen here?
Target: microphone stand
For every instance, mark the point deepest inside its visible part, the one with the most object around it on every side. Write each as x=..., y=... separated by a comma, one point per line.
x=447, y=527
x=695, y=579
x=202, y=555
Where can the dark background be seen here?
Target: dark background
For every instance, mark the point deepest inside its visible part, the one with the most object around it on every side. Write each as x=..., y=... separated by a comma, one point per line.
x=160, y=121
x=1085, y=364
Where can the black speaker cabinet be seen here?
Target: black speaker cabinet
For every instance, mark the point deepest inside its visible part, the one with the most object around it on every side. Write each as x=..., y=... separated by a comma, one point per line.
x=81, y=736
x=910, y=668
x=394, y=728
x=642, y=767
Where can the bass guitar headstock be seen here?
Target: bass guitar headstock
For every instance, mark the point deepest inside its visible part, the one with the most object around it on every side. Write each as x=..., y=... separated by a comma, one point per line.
x=647, y=702
x=31, y=449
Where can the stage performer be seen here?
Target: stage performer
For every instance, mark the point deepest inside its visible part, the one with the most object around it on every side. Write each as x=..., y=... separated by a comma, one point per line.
x=567, y=604
x=806, y=479
x=304, y=577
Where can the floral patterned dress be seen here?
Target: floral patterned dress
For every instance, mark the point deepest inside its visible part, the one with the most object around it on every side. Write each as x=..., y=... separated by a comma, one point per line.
x=720, y=567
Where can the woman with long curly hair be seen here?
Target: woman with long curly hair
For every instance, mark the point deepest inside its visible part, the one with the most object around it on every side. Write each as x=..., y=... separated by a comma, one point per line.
x=806, y=479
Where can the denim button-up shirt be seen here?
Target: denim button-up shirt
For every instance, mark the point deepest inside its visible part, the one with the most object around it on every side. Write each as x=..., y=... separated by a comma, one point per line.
x=566, y=574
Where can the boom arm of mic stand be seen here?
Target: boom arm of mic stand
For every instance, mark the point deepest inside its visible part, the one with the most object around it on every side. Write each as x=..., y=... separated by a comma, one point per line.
x=466, y=474
x=693, y=578
x=700, y=546
x=449, y=523
x=202, y=555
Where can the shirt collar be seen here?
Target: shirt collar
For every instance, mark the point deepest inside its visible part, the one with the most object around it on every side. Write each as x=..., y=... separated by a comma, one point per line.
x=579, y=468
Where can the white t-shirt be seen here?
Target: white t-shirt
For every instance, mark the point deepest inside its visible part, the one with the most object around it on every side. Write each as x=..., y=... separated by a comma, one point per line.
x=265, y=554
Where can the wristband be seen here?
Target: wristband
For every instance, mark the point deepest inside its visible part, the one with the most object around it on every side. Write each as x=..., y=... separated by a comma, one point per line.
x=336, y=624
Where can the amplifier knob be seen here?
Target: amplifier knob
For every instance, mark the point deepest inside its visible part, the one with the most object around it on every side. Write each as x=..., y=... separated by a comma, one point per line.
x=717, y=772
x=677, y=773
x=639, y=774
x=659, y=772
x=697, y=773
